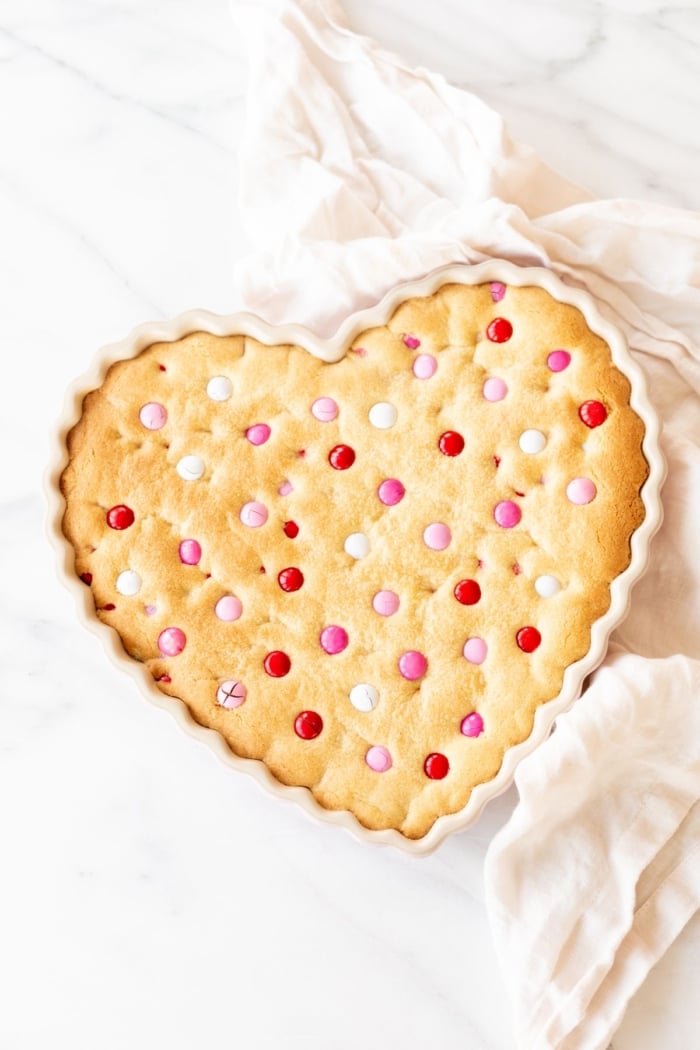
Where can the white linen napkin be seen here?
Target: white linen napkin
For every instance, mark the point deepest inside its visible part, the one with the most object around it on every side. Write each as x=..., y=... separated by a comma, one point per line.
x=358, y=172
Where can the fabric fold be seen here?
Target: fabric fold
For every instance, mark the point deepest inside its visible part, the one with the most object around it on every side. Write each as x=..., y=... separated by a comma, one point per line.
x=358, y=172
x=627, y=813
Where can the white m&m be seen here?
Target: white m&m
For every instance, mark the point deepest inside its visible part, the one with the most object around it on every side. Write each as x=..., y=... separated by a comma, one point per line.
x=364, y=697
x=219, y=388
x=547, y=586
x=532, y=441
x=190, y=468
x=357, y=545
x=128, y=583
x=383, y=415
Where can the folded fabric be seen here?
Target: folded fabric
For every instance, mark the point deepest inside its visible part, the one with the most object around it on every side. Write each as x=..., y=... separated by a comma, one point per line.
x=598, y=870
x=358, y=172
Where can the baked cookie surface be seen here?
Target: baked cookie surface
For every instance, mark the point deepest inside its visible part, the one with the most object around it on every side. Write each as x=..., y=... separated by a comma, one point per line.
x=369, y=574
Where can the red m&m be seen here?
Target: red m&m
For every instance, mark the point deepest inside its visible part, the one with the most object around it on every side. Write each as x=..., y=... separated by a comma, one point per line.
x=120, y=517
x=528, y=639
x=500, y=330
x=308, y=725
x=593, y=413
x=341, y=457
x=436, y=766
x=290, y=579
x=277, y=664
x=451, y=443
x=467, y=592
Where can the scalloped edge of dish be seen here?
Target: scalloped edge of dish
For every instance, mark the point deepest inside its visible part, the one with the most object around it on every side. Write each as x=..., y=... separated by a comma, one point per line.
x=330, y=350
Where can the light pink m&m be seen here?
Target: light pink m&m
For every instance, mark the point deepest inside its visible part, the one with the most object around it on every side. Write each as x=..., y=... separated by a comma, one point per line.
x=412, y=665
x=497, y=290
x=475, y=650
x=285, y=488
x=558, y=360
x=325, y=409
x=231, y=694
x=258, y=434
x=391, y=492
x=171, y=641
x=494, y=389
x=507, y=514
x=581, y=491
x=228, y=608
x=472, y=725
x=334, y=639
x=424, y=366
x=378, y=759
x=190, y=552
x=437, y=536
x=153, y=416
x=254, y=514
x=385, y=603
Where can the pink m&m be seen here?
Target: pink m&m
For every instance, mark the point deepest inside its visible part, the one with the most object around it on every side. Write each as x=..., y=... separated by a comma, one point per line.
x=324, y=409
x=437, y=536
x=412, y=665
x=285, y=488
x=254, y=514
x=472, y=725
x=334, y=639
x=171, y=641
x=581, y=491
x=228, y=608
x=507, y=514
x=475, y=650
x=190, y=552
x=424, y=366
x=258, y=434
x=391, y=492
x=385, y=603
x=231, y=694
x=153, y=416
x=494, y=389
x=378, y=759
x=411, y=342
x=497, y=290
x=558, y=360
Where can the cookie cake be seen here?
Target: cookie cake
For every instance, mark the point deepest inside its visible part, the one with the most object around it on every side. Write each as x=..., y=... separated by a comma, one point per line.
x=371, y=570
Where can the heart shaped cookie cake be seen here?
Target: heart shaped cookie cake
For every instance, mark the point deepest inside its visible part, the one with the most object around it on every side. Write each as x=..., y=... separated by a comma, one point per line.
x=366, y=574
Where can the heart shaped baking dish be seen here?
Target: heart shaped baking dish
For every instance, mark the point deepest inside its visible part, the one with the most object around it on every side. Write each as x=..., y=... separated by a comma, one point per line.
x=370, y=570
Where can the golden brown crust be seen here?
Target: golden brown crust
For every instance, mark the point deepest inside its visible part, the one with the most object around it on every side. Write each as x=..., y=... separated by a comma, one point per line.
x=115, y=460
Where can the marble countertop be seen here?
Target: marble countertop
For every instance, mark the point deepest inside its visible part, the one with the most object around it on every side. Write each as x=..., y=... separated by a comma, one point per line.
x=148, y=894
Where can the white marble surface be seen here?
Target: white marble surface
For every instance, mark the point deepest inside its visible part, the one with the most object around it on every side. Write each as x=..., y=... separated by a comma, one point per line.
x=147, y=893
